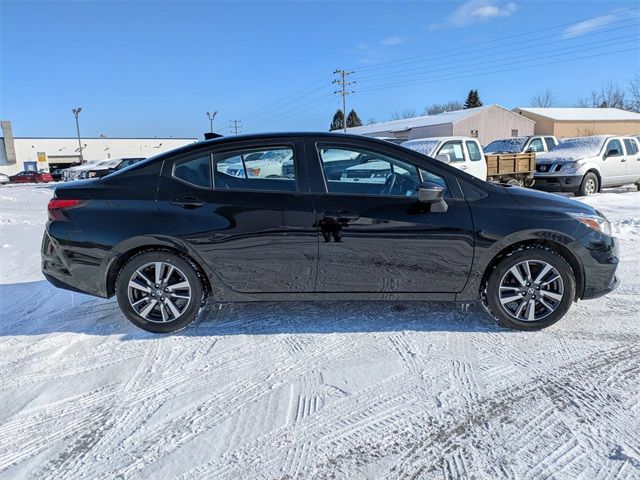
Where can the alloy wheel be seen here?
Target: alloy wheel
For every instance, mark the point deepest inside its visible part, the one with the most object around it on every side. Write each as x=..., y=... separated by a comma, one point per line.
x=159, y=292
x=590, y=186
x=531, y=290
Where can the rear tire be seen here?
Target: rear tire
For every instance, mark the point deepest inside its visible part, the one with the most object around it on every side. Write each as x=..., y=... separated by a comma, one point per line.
x=589, y=185
x=167, y=292
x=535, y=266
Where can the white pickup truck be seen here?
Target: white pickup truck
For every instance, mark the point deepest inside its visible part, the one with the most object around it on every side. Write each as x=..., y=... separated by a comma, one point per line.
x=583, y=165
x=532, y=143
x=464, y=153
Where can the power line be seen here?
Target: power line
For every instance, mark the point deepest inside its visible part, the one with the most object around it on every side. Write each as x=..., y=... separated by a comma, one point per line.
x=521, y=52
x=449, y=77
x=522, y=58
x=500, y=39
x=343, y=83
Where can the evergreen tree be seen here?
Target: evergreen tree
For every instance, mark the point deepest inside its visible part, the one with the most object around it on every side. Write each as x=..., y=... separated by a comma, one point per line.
x=336, y=123
x=353, y=120
x=473, y=100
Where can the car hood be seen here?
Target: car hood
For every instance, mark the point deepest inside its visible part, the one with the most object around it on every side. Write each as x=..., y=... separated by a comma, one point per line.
x=566, y=156
x=537, y=199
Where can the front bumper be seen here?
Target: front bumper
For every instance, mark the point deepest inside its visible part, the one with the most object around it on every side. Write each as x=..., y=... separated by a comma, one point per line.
x=599, y=255
x=557, y=183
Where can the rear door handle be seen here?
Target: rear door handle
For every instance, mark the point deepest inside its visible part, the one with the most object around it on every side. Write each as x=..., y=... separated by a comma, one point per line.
x=187, y=202
x=623, y=160
x=341, y=215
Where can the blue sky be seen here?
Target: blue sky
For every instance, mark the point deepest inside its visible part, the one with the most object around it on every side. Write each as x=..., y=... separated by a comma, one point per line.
x=154, y=68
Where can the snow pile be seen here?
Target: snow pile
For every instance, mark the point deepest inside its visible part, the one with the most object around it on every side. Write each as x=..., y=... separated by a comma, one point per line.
x=312, y=390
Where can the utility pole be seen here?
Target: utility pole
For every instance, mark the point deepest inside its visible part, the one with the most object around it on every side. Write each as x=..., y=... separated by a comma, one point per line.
x=235, y=127
x=211, y=117
x=342, y=81
x=76, y=112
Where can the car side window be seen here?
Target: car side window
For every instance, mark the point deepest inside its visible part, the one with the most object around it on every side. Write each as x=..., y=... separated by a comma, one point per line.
x=474, y=151
x=359, y=171
x=536, y=145
x=453, y=150
x=550, y=143
x=631, y=146
x=196, y=171
x=614, y=145
x=270, y=168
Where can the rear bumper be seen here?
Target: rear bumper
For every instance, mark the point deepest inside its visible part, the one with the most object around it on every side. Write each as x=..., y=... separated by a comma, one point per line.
x=560, y=183
x=70, y=269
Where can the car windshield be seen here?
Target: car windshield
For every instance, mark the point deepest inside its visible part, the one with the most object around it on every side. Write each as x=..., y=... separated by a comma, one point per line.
x=425, y=147
x=506, y=145
x=588, y=145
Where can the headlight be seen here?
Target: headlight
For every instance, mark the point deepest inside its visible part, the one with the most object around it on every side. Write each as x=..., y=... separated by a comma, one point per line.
x=571, y=167
x=596, y=222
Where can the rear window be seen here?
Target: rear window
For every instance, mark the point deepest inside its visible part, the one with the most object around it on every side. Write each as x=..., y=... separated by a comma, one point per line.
x=196, y=171
x=474, y=151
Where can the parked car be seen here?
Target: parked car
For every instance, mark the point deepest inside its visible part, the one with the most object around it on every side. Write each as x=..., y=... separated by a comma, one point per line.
x=532, y=143
x=4, y=179
x=174, y=230
x=583, y=165
x=73, y=173
x=31, y=176
x=106, y=167
x=256, y=164
x=464, y=153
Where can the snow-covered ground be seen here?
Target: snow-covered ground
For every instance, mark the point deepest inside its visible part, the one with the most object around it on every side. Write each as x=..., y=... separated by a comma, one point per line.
x=306, y=390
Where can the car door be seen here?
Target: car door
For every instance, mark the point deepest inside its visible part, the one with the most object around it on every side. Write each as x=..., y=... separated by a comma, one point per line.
x=550, y=143
x=613, y=163
x=535, y=145
x=477, y=163
x=257, y=232
x=374, y=234
x=632, y=171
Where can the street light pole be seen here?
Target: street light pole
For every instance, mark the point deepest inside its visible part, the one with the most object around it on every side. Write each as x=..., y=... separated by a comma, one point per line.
x=211, y=117
x=76, y=112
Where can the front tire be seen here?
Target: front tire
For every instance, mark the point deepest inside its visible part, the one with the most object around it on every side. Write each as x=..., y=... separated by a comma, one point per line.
x=589, y=185
x=160, y=291
x=530, y=289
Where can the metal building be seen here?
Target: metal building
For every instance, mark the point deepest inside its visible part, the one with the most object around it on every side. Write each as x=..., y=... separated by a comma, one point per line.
x=487, y=123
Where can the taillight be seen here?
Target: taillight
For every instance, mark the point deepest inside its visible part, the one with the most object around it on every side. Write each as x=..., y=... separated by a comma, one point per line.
x=57, y=206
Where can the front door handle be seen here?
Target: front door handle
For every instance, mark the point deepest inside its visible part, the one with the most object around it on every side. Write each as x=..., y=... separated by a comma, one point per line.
x=187, y=202
x=341, y=215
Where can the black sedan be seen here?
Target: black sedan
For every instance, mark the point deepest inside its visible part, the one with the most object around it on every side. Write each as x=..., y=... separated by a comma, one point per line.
x=167, y=233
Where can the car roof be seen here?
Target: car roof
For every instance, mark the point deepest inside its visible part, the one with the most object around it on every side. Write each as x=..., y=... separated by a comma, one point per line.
x=192, y=147
x=439, y=139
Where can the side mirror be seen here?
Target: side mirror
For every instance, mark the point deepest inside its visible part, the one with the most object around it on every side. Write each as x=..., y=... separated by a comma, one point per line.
x=444, y=158
x=614, y=152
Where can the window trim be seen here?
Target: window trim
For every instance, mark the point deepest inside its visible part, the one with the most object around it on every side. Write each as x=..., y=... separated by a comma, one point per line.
x=258, y=147
x=186, y=159
x=339, y=146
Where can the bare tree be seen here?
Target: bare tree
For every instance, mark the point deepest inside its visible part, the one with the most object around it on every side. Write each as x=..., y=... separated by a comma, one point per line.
x=609, y=96
x=544, y=99
x=410, y=113
x=633, y=102
x=371, y=121
x=437, y=108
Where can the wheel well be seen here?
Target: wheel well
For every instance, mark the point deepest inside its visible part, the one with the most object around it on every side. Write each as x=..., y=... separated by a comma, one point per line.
x=597, y=174
x=123, y=258
x=560, y=249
